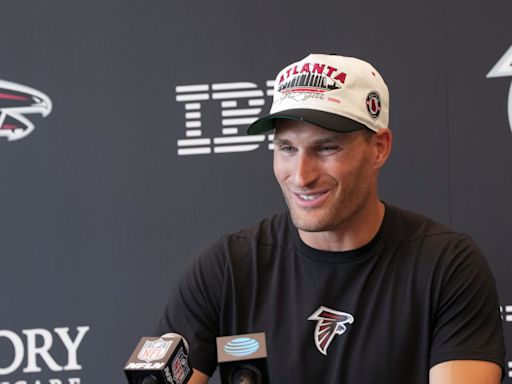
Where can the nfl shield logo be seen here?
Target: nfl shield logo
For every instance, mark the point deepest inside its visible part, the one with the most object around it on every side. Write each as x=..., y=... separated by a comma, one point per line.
x=154, y=350
x=180, y=367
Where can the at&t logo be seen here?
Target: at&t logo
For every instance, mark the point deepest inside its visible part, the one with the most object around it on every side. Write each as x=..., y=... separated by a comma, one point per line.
x=241, y=346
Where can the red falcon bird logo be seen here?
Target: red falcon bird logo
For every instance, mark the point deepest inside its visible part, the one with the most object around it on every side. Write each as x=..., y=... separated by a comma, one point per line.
x=329, y=323
x=17, y=101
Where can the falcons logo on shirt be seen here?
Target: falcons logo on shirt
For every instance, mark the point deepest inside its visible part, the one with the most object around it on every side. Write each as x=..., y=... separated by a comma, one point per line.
x=17, y=101
x=329, y=323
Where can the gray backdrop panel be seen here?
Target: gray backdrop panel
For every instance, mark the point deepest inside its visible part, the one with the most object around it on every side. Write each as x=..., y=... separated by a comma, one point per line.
x=101, y=215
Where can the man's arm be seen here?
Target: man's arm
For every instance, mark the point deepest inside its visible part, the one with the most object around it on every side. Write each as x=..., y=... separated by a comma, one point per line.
x=198, y=377
x=465, y=372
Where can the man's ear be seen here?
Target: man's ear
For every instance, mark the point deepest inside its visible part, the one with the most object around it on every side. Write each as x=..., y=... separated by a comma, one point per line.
x=382, y=141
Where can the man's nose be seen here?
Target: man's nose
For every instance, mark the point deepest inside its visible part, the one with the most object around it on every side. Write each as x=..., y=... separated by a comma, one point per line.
x=305, y=172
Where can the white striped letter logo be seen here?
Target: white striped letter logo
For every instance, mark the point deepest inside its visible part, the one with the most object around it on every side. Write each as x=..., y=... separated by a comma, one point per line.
x=240, y=104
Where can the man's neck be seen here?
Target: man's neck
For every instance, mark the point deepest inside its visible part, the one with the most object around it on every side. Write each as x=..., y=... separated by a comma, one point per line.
x=355, y=234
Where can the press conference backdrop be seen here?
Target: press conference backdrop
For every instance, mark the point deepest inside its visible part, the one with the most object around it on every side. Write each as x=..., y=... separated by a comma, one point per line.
x=123, y=149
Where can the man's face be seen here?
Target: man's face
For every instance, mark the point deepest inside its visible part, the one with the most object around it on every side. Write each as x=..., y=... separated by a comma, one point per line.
x=327, y=177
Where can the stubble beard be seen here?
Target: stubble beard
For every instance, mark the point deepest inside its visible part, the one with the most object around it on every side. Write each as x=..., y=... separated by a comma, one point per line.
x=326, y=218
x=337, y=215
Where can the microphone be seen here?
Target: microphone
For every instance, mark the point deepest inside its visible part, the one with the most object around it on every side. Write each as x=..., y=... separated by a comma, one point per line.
x=159, y=360
x=243, y=359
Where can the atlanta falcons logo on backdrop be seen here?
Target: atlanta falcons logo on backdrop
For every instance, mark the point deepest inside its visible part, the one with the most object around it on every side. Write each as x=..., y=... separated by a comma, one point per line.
x=503, y=68
x=329, y=323
x=17, y=101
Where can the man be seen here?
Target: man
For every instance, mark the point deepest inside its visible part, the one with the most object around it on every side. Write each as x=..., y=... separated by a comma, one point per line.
x=348, y=289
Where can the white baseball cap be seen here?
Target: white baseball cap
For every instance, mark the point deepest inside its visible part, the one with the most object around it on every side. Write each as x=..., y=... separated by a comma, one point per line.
x=335, y=92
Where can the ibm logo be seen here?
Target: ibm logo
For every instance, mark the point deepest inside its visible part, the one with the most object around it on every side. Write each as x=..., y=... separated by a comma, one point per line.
x=241, y=104
x=506, y=313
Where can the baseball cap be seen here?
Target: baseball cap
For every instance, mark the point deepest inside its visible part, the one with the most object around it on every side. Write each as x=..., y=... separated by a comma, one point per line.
x=335, y=92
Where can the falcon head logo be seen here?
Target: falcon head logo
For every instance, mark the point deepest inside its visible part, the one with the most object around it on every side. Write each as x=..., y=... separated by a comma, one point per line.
x=329, y=324
x=17, y=101
x=503, y=68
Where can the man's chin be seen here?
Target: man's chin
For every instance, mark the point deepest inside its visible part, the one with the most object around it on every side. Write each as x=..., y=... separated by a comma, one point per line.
x=309, y=224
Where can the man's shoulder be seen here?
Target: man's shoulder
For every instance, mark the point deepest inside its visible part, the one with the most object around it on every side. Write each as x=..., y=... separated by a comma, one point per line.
x=434, y=243
x=268, y=230
x=259, y=242
x=406, y=225
x=271, y=231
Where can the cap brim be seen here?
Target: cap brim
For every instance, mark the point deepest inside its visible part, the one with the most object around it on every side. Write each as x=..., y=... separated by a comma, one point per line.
x=323, y=119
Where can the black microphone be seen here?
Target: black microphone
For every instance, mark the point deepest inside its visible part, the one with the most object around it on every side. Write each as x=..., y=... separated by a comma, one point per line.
x=243, y=359
x=159, y=360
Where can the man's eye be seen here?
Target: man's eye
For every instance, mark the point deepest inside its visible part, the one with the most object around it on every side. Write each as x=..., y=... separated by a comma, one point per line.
x=327, y=148
x=286, y=148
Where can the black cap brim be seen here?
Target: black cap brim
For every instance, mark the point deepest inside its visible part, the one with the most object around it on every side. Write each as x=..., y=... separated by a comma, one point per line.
x=323, y=119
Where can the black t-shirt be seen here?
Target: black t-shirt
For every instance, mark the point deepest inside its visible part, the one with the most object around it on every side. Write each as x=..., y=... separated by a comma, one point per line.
x=418, y=294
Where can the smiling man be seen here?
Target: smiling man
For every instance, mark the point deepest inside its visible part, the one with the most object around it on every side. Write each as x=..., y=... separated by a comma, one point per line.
x=348, y=289
x=329, y=182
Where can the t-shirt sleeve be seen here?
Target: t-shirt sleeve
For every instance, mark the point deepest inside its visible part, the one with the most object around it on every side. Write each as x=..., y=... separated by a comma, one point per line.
x=193, y=309
x=466, y=323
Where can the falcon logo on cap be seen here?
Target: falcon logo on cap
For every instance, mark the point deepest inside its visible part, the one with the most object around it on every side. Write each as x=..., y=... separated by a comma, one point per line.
x=329, y=324
x=373, y=104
